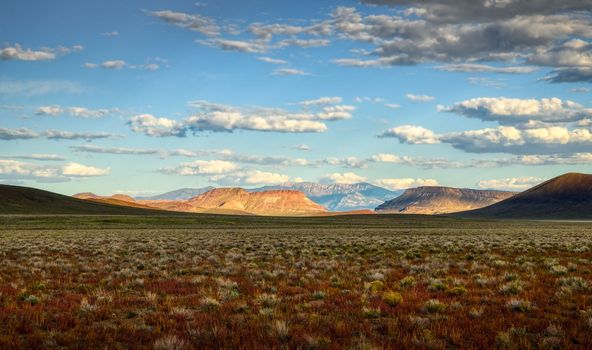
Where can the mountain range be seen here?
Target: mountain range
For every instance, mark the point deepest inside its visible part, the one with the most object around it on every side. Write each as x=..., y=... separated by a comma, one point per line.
x=339, y=197
x=566, y=197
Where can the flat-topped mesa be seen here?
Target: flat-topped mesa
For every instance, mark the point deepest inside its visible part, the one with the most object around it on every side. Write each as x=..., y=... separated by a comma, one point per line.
x=441, y=200
x=274, y=202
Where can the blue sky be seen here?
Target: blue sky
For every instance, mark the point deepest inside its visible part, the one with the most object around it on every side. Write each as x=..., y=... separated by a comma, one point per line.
x=149, y=96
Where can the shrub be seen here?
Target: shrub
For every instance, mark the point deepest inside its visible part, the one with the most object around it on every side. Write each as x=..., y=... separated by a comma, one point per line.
x=170, y=342
x=435, y=306
x=519, y=305
x=392, y=298
x=407, y=282
x=376, y=286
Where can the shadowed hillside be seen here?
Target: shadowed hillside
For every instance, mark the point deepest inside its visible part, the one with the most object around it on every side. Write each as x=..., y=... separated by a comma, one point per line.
x=26, y=200
x=441, y=200
x=566, y=197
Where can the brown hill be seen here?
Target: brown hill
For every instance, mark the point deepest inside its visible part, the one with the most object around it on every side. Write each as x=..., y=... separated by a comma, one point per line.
x=566, y=197
x=441, y=200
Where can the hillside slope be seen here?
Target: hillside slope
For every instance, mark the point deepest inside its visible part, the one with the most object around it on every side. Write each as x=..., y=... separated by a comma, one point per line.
x=566, y=197
x=441, y=200
x=27, y=200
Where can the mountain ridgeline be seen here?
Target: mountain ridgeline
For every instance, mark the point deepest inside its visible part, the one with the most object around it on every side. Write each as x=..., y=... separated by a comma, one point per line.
x=441, y=200
x=339, y=197
x=566, y=197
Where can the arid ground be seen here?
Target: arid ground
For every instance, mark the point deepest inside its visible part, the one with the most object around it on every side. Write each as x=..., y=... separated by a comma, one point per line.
x=300, y=283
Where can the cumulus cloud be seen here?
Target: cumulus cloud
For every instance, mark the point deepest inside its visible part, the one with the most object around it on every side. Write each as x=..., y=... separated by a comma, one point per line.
x=80, y=170
x=429, y=163
x=508, y=139
x=513, y=184
x=17, y=170
x=192, y=22
x=216, y=117
x=150, y=125
x=419, y=98
x=404, y=183
x=202, y=167
x=343, y=178
x=411, y=134
x=17, y=52
x=347, y=162
x=514, y=110
x=250, y=177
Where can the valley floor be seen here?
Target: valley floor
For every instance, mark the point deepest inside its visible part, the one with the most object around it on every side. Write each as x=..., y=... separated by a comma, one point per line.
x=357, y=282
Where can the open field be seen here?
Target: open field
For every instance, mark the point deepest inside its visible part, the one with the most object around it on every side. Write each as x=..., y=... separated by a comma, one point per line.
x=359, y=282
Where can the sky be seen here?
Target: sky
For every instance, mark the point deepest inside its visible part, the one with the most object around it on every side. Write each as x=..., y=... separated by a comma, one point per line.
x=142, y=97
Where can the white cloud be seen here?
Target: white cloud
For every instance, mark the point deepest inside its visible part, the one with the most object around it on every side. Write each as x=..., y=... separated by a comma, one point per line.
x=80, y=170
x=80, y=112
x=158, y=127
x=404, y=183
x=69, y=135
x=290, y=71
x=17, y=52
x=343, y=178
x=411, y=134
x=49, y=110
x=321, y=101
x=514, y=110
x=120, y=64
x=272, y=60
x=250, y=177
x=514, y=184
x=42, y=157
x=110, y=34
x=235, y=45
x=419, y=98
x=203, y=167
x=473, y=67
x=192, y=22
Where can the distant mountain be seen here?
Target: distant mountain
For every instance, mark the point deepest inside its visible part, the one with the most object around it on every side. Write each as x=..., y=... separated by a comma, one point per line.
x=241, y=201
x=566, y=197
x=180, y=194
x=441, y=200
x=26, y=200
x=339, y=197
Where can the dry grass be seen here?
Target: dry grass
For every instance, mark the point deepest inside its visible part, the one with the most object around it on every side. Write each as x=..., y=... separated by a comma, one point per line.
x=522, y=287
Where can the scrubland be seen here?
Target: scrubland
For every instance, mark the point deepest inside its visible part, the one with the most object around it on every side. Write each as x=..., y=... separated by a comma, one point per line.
x=440, y=286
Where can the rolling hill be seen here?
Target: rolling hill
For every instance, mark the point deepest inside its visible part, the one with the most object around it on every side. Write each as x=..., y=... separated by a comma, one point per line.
x=566, y=197
x=441, y=200
x=26, y=200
